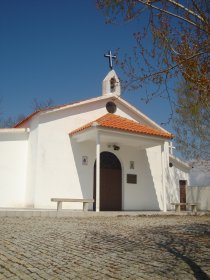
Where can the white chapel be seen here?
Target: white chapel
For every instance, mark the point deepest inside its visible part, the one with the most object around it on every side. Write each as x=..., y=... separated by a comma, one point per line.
x=102, y=148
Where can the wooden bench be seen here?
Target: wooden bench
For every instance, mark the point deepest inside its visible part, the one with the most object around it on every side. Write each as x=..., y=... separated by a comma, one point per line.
x=178, y=206
x=85, y=202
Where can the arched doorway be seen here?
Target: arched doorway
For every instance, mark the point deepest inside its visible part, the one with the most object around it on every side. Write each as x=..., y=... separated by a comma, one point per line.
x=110, y=183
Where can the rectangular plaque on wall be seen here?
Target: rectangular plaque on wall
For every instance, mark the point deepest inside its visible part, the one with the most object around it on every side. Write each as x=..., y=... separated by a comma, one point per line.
x=132, y=178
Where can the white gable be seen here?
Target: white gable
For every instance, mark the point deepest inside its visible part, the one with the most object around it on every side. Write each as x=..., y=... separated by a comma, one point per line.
x=89, y=110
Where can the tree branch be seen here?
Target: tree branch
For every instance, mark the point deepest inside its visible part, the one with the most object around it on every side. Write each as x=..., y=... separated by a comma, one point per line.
x=172, y=67
x=186, y=9
x=200, y=11
x=176, y=65
x=173, y=15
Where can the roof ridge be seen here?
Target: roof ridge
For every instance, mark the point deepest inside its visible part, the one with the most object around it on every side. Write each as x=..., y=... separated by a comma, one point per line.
x=128, y=120
x=60, y=106
x=48, y=109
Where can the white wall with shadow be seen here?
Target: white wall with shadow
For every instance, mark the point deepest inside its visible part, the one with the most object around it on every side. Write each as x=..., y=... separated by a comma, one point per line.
x=142, y=195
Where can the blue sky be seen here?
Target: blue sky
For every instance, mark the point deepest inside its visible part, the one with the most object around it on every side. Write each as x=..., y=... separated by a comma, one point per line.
x=55, y=49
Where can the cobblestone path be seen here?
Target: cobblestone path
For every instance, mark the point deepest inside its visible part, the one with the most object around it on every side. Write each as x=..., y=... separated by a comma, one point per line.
x=123, y=247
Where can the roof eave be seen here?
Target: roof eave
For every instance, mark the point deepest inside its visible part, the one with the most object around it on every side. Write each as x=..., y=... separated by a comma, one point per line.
x=64, y=107
x=179, y=162
x=102, y=128
x=14, y=130
x=142, y=115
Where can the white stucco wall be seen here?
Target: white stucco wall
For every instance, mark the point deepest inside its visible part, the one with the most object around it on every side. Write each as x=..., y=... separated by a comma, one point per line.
x=56, y=168
x=173, y=175
x=31, y=175
x=146, y=194
x=13, y=166
x=54, y=162
x=156, y=166
x=199, y=195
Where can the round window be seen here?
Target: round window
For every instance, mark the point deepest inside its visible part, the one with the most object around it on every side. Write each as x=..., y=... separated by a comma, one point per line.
x=111, y=107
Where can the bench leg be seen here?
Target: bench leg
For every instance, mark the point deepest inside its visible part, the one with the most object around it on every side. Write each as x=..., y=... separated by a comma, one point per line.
x=85, y=206
x=194, y=208
x=177, y=208
x=59, y=205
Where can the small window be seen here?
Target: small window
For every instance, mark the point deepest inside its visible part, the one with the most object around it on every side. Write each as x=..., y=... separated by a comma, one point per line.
x=111, y=107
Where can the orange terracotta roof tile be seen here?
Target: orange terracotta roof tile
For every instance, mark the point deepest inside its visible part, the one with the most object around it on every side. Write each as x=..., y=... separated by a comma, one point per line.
x=120, y=123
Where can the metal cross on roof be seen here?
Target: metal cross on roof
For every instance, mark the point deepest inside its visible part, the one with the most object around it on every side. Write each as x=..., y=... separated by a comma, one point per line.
x=171, y=148
x=110, y=56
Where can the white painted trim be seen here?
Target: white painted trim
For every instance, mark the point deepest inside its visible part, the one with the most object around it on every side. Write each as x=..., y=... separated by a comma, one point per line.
x=76, y=104
x=14, y=130
x=108, y=131
x=163, y=176
x=179, y=162
x=98, y=171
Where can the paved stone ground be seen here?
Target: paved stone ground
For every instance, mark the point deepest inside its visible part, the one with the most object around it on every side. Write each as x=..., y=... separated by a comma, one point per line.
x=123, y=247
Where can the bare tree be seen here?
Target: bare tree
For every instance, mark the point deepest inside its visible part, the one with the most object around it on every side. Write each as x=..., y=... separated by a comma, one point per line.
x=179, y=32
x=37, y=105
x=41, y=104
x=192, y=128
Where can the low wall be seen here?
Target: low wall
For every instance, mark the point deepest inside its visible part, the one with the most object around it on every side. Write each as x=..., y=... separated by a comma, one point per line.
x=200, y=195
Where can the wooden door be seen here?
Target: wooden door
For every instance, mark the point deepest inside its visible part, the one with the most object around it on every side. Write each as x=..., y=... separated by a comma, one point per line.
x=110, y=183
x=111, y=191
x=182, y=187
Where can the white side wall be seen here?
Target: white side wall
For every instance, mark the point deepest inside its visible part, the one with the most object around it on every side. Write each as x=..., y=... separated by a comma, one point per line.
x=173, y=175
x=200, y=195
x=13, y=166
